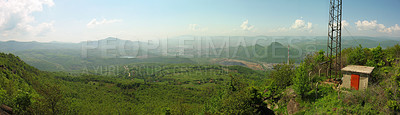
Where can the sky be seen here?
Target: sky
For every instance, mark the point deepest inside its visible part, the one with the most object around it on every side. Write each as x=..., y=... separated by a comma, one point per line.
x=81, y=20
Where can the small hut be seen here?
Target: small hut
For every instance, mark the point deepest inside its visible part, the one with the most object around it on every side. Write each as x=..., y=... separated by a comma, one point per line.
x=356, y=76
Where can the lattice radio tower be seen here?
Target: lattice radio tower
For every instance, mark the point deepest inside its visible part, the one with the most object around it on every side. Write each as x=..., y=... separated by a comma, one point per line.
x=334, y=38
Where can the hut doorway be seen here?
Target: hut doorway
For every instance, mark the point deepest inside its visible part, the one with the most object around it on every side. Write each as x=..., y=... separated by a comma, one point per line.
x=355, y=81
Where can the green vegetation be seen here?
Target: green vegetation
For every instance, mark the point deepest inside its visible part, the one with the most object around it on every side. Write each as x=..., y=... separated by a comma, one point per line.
x=358, y=56
x=301, y=81
x=151, y=89
x=181, y=86
x=282, y=75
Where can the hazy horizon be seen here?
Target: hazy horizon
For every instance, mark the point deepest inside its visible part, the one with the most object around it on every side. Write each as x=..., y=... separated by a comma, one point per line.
x=156, y=39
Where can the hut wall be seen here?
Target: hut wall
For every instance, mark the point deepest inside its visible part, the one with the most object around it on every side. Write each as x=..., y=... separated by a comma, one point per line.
x=363, y=82
x=346, y=80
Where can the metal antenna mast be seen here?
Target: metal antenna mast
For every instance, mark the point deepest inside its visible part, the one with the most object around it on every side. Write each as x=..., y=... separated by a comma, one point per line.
x=334, y=38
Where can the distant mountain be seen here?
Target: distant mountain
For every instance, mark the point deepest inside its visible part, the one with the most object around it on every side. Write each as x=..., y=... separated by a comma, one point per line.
x=202, y=41
x=273, y=53
x=12, y=46
x=57, y=56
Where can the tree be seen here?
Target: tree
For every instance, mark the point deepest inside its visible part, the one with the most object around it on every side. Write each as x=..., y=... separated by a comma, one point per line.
x=256, y=101
x=377, y=56
x=22, y=101
x=272, y=91
x=393, y=93
x=3, y=96
x=237, y=102
x=245, y=101
x=52, y=98
x=357, y=56
x=301, y=81
x=320, y=57
x=232, y=86
x=282, y=75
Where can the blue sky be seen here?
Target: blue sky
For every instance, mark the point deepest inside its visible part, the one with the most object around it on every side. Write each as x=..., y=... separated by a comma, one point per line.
x=78, y=20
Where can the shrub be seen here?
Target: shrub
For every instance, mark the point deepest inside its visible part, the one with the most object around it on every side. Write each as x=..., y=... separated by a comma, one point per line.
x=22, y=101
x=357, y=56
x=393, y=93
x=282, y=75
x=272, y=91
x=3, y=94
x=301, y=81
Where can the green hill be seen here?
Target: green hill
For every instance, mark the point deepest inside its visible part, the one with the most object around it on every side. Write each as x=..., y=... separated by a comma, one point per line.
x=20, y=85
x=148, y=88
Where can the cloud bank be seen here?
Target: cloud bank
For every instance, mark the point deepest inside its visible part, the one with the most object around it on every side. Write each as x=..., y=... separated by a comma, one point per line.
x=298, y=25
x=16, y=17
x=246, y=26
x=375, y=26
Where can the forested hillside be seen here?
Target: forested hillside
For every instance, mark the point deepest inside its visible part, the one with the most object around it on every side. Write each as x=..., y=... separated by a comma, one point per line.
x=187, y=88
x=27, y=89
x=173, y=88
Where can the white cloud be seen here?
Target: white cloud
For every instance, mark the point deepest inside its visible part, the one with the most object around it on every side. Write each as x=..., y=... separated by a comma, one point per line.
x=246, y=26
x=300, y=24
x=374, y=25
x=94, y=22
x=395, y=28
x=369, y=25
x=344, y=23
x=16, y=17
x=194, y=27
